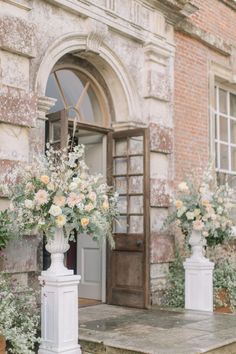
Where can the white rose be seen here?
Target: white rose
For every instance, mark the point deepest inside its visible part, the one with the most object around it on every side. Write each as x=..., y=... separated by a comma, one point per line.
x=55, y=210
x=61, y=220
x=181, y=211
x=190, y=215
x=73, y=186
x=50, y=186
x=183, y=187
x=29, y=204
x=197, y=212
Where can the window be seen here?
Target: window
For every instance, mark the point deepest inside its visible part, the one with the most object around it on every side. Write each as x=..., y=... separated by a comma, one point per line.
x=76, y=93
x=225, y=130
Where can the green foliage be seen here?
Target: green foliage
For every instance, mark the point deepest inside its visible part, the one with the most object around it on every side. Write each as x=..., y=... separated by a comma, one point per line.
x=19, y=317
x=4, y=228
x=174, y=296
x=225, y=278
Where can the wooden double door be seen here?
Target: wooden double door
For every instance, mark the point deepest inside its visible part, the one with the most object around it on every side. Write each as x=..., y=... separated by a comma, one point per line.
x=119, y=276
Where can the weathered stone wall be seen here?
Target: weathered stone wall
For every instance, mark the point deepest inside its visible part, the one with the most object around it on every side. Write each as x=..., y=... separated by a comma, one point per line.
x=131, y=44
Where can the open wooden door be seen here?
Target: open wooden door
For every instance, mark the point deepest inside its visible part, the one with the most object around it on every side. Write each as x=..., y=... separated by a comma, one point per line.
x=128, y=263
x=57, y=129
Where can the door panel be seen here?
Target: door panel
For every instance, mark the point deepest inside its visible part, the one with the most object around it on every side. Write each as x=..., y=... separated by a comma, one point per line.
x=85, y=256
x=128, y=263
x=90, y=263
x=89, y=257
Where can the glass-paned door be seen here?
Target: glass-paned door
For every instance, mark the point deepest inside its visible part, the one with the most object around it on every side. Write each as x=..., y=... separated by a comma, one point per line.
x=129, y=261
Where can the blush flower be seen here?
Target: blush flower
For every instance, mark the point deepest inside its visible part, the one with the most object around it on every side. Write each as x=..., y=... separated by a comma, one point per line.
x=41, y=197
x=73, y=199
x=92, y=196
x=198, y=225
x=89, y=207
x=59, y=200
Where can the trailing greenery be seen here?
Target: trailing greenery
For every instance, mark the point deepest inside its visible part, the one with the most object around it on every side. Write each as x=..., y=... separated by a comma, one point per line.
x=5, y=235
x=174, y=296
x=19, y=317
x=224, y=277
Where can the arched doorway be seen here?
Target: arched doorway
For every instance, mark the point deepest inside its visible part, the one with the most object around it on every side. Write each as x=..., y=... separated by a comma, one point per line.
x=101, y=84
x=82, y=114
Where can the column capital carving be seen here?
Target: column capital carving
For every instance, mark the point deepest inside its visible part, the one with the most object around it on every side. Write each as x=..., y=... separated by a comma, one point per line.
x=44, y=105
x=155, y=53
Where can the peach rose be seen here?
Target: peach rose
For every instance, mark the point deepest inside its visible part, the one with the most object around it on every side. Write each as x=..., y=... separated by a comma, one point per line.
x=178, y=204
x=44, y=179
x=84, y=222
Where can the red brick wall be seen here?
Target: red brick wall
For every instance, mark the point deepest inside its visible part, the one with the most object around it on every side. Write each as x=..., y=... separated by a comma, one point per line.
x=191, y=93
x=191, y=143
x=215, y=17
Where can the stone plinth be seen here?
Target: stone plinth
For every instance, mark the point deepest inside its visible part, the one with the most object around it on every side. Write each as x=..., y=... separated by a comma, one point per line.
x=59, y=314
x=199, y=284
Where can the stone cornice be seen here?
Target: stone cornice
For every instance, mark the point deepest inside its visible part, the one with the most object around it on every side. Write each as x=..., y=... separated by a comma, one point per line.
x=144, y=19
x=230, y=3
x=209, y=39
x=175, y=10
x=21, y=4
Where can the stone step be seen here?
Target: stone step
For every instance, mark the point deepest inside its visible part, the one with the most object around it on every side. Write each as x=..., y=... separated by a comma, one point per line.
x=90, y=347
x=106, y=329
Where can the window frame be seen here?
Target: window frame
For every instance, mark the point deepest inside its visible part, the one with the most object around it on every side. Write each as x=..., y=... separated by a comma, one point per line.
x=98, y=90
x=216, y=119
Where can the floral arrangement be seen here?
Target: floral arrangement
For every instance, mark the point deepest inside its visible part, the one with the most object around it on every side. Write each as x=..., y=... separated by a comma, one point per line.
x=203, y=206
x=19, y=317
x=57, y=191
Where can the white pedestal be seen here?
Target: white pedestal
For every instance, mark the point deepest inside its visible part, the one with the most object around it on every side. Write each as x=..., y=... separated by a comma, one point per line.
x=199, y=284
x=59, y=315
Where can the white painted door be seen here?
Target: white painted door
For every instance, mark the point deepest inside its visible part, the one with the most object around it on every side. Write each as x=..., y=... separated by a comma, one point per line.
x=91, y=263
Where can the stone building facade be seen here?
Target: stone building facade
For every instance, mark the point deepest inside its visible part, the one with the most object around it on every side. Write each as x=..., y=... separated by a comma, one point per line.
x=152, y=68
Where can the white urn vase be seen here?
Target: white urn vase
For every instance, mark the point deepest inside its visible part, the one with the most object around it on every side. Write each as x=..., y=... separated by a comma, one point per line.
x=57, y=246
x=197, y=243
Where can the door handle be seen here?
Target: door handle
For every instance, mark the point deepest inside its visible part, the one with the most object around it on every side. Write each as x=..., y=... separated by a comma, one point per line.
x=139, y=243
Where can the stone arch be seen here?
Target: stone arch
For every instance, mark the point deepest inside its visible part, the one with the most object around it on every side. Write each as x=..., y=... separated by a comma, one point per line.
x=122, y=89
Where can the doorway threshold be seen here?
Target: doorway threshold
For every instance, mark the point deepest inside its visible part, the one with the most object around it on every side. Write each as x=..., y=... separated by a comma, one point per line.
x=83, y=302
